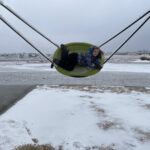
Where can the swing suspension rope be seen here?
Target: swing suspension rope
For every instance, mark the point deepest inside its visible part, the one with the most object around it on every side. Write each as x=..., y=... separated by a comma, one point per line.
x=25, y=39
x=28, y=24
x=110, y=39
x=126, y=40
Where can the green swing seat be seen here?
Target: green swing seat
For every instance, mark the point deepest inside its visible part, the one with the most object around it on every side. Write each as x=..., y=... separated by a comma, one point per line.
x=79, y=71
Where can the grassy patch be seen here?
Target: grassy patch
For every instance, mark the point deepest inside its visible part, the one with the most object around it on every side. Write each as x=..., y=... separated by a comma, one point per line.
x=102, y=147
x=106, y=125
x=96, y=108
x=35, y=147
x=147, y=106
x=142, y=136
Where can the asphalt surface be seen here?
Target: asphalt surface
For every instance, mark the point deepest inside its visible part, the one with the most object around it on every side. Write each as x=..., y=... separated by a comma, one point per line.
x=15, y=85
x=54, y=78
x=10, y=94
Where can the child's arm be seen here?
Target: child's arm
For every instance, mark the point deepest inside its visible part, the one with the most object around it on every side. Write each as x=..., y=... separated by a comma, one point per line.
x=98, y=64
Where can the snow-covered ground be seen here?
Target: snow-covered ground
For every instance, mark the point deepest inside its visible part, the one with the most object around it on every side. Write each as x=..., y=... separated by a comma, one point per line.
x=79, y=118
x=18, y=66
x=142, y=68
x=137, y=66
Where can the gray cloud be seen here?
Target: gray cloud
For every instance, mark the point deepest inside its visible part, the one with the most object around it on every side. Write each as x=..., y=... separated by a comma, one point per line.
x=64, y=21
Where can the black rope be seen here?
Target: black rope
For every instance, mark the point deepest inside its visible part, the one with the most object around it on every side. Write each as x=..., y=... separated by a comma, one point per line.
x=17, y=32
x=110, y=39
x=128, y=39
x=15, y=14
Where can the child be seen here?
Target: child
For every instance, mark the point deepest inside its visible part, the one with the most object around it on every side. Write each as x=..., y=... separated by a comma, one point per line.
x=91, y=59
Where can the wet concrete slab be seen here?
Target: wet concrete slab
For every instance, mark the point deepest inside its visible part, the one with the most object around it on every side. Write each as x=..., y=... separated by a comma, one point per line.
x=10, y=94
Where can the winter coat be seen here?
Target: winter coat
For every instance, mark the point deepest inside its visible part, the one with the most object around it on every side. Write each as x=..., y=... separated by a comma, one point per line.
x=88, y=60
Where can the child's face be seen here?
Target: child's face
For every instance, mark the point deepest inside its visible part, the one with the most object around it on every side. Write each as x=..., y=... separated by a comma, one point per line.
x=96, y=52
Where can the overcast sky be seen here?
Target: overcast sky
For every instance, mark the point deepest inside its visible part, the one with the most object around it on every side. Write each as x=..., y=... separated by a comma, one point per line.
x=65, y=21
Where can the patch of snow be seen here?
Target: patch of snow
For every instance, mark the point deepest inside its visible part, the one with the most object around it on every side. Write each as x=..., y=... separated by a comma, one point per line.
x=9, y=138
x=142, y=61
x=78, y=119
x=141, y=68
x=25, y=66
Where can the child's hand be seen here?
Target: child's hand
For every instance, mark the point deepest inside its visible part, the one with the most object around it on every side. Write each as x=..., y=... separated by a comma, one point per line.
x=99, y=66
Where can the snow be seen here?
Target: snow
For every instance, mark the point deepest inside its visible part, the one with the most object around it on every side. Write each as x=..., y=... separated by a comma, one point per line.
x=144, y=68
x=17, y=66
x=141, y=61
x=77, y=119
x=129, y=67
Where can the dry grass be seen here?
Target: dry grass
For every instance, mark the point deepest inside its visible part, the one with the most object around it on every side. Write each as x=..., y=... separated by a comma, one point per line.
x=49, y=147
x=98, y=109
x=86, y=96
x=102, y=147
x=105, y=125
x=101, y=89
x=147, y=106
x=35, y=147
x=142, y=136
